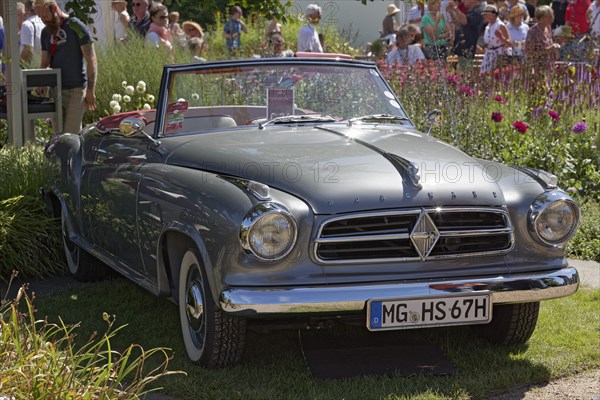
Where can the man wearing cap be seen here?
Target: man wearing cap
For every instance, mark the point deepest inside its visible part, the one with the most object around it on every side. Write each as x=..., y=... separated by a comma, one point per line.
x=140, y=21
x=308, y=38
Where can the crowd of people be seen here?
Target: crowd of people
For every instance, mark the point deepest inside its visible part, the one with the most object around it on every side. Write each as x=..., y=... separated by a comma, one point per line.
x=435, y=29
x=502, y=31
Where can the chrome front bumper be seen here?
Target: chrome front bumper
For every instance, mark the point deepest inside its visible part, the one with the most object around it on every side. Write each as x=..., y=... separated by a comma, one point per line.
x=514, y=288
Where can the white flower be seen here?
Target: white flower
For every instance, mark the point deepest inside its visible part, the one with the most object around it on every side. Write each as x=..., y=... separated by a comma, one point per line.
x=141, y=89
x=130, y=90
x=146, y=106
x=124, y=84
x=180, y=99
x=126, y=99
x=116, y=97
x=142, y=83
x=116, y=109
x=113, y=103
x=149, y=98
x=195, y=96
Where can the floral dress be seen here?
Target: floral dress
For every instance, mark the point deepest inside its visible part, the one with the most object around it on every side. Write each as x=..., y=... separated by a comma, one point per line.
x=494, y=46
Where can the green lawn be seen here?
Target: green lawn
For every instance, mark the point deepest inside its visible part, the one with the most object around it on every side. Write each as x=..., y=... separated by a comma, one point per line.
x=565, y=342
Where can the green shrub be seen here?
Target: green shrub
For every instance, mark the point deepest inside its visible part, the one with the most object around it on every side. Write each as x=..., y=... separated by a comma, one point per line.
x=586, y=243
x=24, y=171
x=30, y=241
x=40, y=361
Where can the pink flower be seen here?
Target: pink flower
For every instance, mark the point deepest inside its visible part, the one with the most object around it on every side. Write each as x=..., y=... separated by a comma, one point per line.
x=520, y=126
x=554, y=115
x=500, y=99
x=452, y=79
x=497, y=117
x=466, y=90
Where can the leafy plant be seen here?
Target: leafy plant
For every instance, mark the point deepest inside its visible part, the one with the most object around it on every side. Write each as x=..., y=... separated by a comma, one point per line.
x=586, y=243
x=39, y=359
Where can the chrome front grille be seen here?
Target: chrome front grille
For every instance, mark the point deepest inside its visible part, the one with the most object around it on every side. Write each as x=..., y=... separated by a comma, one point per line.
x=416, y=234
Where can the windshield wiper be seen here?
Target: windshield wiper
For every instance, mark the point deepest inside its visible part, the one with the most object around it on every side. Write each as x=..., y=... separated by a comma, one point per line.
x=297, y=119
x=377, y=117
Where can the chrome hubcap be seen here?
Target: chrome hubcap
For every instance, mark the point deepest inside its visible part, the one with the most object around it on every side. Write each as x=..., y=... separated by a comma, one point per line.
x=194, y=305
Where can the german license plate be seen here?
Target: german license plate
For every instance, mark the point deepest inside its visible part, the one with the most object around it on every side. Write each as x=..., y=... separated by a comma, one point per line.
x=419, y=313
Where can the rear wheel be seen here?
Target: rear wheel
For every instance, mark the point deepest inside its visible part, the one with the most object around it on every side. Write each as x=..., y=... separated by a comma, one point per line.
x=212, y=339
x=82, y=265
x=511, y=323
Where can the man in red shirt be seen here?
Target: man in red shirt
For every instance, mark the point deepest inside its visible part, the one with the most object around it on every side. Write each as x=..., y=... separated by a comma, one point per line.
x=575, y=16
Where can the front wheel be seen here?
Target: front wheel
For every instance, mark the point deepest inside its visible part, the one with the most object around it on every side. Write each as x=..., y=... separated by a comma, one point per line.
x=82, y=265
x=511, y=323
x=212, y=339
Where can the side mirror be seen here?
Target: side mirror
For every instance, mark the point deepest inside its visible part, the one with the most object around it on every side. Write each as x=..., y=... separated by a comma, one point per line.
x=135, y=126
x=433, y=116
x=131, y=126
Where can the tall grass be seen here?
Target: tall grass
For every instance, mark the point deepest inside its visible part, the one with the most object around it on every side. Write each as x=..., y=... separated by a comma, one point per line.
x=30, y=240
x=39, y=360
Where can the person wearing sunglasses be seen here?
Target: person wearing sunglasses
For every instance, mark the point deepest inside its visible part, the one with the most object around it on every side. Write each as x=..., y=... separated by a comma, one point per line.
x=140, y=21
x=159, y=34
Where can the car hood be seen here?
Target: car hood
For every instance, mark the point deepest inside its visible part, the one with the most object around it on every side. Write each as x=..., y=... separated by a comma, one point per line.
x=336, y=168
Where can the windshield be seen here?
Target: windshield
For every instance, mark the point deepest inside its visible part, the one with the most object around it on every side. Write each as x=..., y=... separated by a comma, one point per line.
x=228, y=95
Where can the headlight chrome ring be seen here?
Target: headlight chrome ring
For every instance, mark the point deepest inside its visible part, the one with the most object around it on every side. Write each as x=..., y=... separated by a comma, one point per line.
x=268, y=231
x=553, y=218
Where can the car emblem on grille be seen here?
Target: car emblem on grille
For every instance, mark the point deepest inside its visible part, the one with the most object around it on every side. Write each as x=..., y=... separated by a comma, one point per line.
x=425, y=235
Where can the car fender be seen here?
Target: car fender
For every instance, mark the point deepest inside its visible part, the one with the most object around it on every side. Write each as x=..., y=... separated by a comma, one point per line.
x=175, y=251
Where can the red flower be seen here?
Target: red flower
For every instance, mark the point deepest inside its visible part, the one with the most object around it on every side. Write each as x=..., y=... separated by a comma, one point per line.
x=497, y=117
x=466, y=90
x=554, y=115
x=520, y=126
x=500, y=99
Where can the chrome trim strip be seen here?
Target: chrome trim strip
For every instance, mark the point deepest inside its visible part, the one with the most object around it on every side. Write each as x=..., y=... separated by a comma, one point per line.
x=512, y=288
x=476, y=233
x=416, y=212
x=366, y=238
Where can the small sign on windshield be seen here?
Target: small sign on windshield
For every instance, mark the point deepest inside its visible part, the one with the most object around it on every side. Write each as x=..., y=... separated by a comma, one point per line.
x=280, y=102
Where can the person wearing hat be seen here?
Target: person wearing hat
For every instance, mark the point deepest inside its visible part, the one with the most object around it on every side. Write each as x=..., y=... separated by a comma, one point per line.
x=495, y=37
x=192, y=29
x=121, y=19
x=517, y=29
x=390, y=23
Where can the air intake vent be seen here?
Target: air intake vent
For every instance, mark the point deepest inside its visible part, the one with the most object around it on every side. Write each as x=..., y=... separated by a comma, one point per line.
x=413, y=234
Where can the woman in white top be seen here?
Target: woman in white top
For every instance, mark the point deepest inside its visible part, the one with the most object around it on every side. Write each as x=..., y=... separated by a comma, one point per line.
x=121, y=19
x=404, y=53
x=517, y=29
x=495, y=37
x=308, y=38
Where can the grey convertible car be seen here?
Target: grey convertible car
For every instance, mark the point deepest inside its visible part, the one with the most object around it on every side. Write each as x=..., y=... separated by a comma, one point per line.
x=297, y=191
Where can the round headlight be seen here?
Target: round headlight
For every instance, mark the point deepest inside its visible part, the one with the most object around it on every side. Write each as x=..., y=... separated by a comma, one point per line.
x=554, y=222
x=268, y=231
